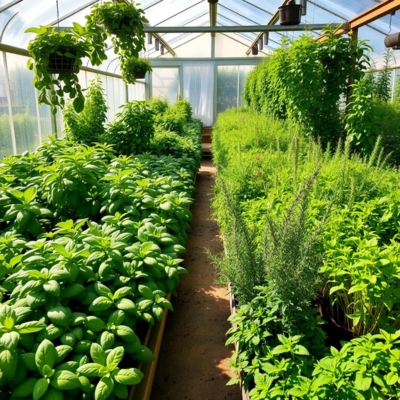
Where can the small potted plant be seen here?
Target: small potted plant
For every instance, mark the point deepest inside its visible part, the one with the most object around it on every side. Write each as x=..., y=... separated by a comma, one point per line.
x=124, y=22
x=134, y=68
x=57, y=58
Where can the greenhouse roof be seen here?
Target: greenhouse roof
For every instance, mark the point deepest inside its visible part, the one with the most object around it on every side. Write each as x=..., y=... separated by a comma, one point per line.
x=18, y=15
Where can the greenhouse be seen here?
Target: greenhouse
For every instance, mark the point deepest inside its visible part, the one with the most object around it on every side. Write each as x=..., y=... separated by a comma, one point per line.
x=199, y=199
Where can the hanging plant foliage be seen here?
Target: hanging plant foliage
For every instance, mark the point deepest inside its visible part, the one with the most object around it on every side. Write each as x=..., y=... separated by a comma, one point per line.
x=57, y=57
x=134, y=68
x=124, y=22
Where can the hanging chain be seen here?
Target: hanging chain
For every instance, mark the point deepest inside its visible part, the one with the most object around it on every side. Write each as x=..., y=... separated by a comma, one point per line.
x=58, y=15
x=390, y=23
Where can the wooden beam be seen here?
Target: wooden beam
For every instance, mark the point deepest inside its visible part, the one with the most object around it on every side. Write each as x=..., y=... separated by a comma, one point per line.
x=273, y=20
x=213, y=14
x=383, y=8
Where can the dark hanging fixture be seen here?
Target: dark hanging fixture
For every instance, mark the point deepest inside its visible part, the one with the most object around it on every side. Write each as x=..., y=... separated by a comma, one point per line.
x=393, y=40
x=149, y=38
x=261, y=44
x=254, y=50
x=162, y=49
x=157, y=44
x=290, y=14
x=266, y=38
x=303, y=7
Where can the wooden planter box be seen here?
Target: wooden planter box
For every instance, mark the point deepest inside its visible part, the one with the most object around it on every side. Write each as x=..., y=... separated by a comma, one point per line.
x=142, y=391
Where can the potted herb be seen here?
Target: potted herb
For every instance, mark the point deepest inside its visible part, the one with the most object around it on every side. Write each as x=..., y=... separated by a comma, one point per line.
x=123, y=21
x=134, y=68
x=57, y=58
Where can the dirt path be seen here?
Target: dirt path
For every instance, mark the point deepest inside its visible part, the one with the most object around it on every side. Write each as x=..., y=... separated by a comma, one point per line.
x=193, y=357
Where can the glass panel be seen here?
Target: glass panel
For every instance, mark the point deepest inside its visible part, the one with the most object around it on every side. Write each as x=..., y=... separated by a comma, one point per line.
x=165, y=83
x=163, y=12
x=23, y=103
x=227, y=87
x=230, y=83
x=6, y=147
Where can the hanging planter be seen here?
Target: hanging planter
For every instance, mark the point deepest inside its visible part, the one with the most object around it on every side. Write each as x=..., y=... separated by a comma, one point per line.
x=134, y=68
x=57, y=56
x=290, y=14
x=63, y=61
x=123, y=21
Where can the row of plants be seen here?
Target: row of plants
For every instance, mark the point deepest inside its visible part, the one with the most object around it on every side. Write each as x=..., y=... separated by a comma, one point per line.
x=153, y=126
x=312, y=241
x=57, y=54
x=89, y=250
x=306, y=82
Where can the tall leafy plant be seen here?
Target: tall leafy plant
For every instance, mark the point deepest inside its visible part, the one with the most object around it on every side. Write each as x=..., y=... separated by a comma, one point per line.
x=132, y=129
x=88, y=126
x=303, y=80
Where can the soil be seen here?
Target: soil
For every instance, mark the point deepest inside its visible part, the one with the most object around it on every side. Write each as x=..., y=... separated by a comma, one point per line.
x=193, y=359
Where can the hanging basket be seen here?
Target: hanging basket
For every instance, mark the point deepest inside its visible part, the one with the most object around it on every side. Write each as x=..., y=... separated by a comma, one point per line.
x=290, y=14
x=62, y=64
x=139, y=75
x=116, y=30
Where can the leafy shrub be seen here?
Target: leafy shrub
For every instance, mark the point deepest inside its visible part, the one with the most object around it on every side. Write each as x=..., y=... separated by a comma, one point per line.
x=158, y=104
x=88, y=126
x=170, y=143
x=310, y=94
x=171, y=120
x=73, y=291
x=184, y=107
x=132, y=129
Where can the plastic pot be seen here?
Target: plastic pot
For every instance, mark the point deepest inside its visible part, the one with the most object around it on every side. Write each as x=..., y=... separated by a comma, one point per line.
x=290, y=14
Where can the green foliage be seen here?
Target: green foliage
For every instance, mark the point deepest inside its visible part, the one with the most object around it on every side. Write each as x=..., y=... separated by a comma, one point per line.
x=382, y=83
x=270, y=344
x=135, y=68
x=89, y=249
x=386, y=121
x=319, y=223
x=359, y=117
x=124, y=22
x=303, y=80
x=172, y=118
x=184, y=107
x=396, y=96
x=88, y=126
x=170, y=143
x=132, y=129
x=158, y=104
x=70, y=43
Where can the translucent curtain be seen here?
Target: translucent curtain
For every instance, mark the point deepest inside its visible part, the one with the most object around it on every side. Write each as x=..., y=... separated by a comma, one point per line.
x=165, y=83
x=136, y=92
x=6, y=147
x=198, y=87
x=23, y=102
x=115, y=95
x=227, y=87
